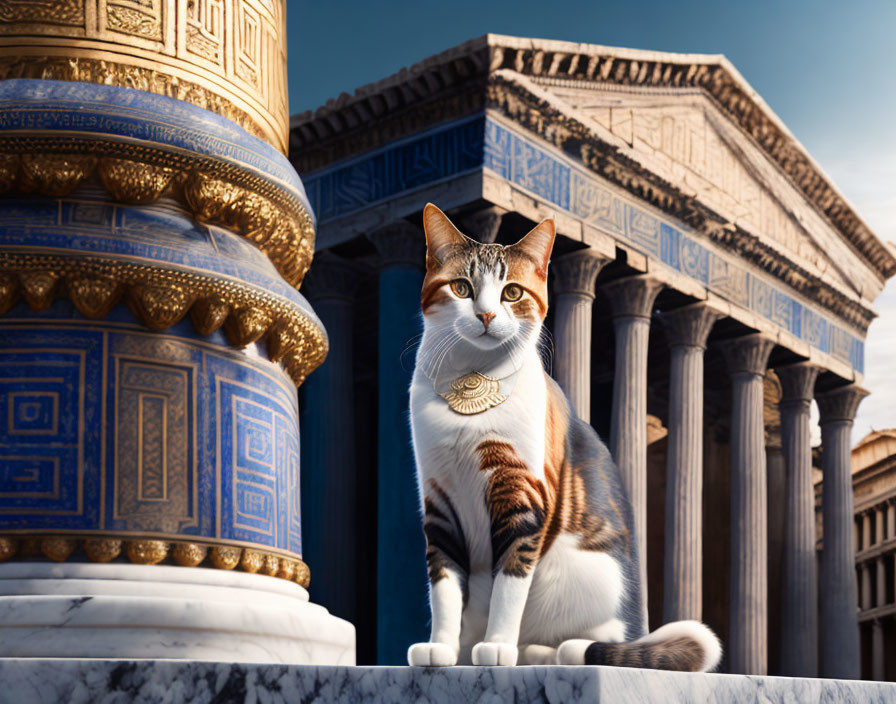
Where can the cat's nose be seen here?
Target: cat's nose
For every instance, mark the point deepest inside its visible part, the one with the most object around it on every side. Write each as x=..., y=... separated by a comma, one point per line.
x=486, y=318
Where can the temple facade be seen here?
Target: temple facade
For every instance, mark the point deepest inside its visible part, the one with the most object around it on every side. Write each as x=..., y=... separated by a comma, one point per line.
x=704, y=265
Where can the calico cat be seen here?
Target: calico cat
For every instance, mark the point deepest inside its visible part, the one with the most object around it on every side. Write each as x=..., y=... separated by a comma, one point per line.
x=530, y=549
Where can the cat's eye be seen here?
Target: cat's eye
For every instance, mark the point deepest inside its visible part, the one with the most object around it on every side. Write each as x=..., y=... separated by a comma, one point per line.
x=461, y=288
x=512, y=293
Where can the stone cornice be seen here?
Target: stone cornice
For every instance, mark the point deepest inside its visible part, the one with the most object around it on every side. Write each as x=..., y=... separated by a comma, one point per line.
x=458, y=68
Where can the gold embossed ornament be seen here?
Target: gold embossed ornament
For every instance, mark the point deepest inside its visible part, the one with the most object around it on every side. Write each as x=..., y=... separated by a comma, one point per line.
x=474, y=393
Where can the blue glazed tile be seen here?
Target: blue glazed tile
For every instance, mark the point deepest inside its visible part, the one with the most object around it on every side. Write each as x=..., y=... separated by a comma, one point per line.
x=368, y=179
x=185, y=423
x=669, y=246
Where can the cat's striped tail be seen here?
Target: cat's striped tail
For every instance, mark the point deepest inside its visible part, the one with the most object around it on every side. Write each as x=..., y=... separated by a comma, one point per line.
x=683, y=645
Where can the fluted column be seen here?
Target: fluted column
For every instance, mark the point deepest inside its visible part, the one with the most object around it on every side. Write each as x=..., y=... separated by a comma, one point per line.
x=402, y=585
x=748, y=608
x=866, y=530
x=328, y=448
x=799, y=600
x=867, y=586
x=574, y=277
x=891, y=519
x=686, y=331
x=484, y=225
x=631, y=300
x=840, y=631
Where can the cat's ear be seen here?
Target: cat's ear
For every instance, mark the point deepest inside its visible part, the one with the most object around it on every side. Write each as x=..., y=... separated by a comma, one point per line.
x=537, y=245
x=440, y=232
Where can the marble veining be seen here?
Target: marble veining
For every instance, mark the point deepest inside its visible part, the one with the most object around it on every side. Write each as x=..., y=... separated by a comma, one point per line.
x=114, y=681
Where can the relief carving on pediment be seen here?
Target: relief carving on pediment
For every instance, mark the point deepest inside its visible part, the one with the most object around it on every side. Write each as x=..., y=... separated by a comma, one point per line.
x=681, y=145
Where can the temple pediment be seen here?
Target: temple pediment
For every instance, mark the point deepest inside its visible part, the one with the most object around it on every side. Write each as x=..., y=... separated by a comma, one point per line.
x=685, y=140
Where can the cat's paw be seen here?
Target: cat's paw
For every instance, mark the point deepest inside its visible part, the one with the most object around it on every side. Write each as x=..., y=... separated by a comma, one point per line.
x=490, y=654
x=431, y=655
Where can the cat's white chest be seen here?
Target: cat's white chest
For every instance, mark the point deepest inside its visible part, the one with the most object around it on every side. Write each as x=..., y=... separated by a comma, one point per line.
x=445, y=441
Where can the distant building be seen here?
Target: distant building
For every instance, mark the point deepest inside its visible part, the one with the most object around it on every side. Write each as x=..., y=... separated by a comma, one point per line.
x=874, y=485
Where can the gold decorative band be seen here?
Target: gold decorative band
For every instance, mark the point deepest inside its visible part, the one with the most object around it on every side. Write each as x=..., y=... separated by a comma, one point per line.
x=213, y=192
x=160, y=298
x=146, y=551
x=228, y=57
x=151, y=80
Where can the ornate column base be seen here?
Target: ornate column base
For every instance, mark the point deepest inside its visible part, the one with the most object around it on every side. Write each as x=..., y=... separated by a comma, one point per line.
x=79, y=610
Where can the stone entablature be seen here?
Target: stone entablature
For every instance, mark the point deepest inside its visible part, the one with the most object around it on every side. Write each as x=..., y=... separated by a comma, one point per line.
x=433, y=90
x=600, y=214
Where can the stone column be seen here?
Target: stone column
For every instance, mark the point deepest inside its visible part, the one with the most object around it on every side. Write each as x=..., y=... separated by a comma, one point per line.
x=880, y=598
x=877, y=650
x=328, y=447
x=401, y=580
x=483, y=225
x=840, y=632
x=878, y=525
x=866, y=587
x=631, y=300
x=891, y=519
x=866, y=530
x=748, y=608
x=799, y=600
x=686, y=331
x=574, y=277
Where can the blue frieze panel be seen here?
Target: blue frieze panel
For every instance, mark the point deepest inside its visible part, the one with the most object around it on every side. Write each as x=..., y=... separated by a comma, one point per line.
x=107, y=427
x=421, y=161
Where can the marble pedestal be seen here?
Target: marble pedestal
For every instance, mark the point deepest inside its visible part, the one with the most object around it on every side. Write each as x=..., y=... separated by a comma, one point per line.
x=114, y=681
x=117, y=610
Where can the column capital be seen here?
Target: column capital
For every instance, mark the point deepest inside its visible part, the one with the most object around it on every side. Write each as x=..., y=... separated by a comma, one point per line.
x=840, y=404
x=633, y=296
x=577, y=271
x=689, y=325
x=797, y=382
x=400, y=242
x=331, y=278
x=483, y=225
x=747, y=354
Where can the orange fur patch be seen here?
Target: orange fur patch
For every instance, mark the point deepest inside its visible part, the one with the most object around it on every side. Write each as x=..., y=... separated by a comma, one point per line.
x=494, y=454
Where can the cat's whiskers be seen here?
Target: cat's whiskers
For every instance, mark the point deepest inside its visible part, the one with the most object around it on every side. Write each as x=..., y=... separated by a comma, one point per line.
x=457, y=338
x=434, y=357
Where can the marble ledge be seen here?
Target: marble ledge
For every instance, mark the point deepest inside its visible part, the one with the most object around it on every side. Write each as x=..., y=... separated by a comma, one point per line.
x=172, y=681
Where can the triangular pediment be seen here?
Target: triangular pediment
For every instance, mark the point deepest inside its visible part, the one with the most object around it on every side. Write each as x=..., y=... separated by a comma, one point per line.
x=689, y=143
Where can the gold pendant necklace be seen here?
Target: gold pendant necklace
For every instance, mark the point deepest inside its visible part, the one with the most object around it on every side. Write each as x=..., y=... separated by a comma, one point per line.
x=474, y=393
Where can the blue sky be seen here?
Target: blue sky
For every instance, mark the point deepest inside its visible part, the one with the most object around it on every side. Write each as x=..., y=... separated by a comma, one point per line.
x=826, y=68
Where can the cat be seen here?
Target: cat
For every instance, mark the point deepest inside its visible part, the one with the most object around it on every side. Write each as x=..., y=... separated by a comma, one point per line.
x=529, y=533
